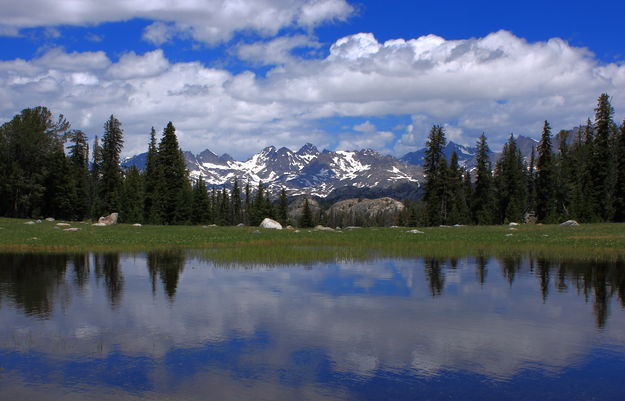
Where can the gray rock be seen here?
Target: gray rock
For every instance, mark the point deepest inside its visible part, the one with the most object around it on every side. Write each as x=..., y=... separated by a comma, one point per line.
x=296, y=210
x=364, y=212
x=322, y=228
x=50, y=219
x=30, y=222
x=513, y=224
x=415, y=231
x=529, y=218
x=570, y=223
x=109, y=220
x=240, y=225
x=99, y=224
x=63, y=224
x=269, y=223
x=137, y=225
x=72, y=229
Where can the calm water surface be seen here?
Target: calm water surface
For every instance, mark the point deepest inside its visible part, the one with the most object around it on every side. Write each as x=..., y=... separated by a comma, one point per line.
x=176, y=327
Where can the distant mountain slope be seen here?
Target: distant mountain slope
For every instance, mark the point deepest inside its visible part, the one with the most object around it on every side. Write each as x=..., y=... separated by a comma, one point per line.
x=306, y=171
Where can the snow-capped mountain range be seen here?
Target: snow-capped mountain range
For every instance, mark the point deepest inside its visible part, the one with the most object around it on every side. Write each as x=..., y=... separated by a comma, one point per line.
x=306, y=171
x=309, y=171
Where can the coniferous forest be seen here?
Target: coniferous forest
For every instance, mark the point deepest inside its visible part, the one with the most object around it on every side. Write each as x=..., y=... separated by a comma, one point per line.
x=49, y=169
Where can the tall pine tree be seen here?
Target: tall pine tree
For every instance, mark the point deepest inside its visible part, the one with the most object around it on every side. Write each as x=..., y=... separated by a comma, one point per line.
x=435, y=169
x=602, y=167
x=111, y=183
x=173, y=178
x=545, y=178
x=483, y=202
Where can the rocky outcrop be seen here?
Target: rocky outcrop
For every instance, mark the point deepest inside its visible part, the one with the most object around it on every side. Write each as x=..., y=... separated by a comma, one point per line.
x=296, y=210
x=108, y=220
x=269, y=223
x=364, y=212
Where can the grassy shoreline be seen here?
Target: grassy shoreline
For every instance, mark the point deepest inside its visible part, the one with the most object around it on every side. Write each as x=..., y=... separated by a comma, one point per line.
x=589, y=241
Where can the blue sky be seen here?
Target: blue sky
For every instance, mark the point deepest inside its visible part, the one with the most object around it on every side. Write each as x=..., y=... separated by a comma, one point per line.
x=235, y=76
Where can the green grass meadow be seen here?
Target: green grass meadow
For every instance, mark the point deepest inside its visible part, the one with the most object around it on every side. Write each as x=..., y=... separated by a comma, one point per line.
x=256, y=245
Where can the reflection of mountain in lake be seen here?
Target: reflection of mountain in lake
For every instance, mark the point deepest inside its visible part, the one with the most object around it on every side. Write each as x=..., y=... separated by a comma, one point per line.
x=343, y=330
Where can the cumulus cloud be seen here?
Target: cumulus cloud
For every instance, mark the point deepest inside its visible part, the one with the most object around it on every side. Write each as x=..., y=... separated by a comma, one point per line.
x=497, y=84
x=209, y=21
x=276, y=51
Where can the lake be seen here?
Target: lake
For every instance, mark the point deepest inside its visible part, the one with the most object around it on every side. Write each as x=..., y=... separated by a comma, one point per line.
x=176, y=326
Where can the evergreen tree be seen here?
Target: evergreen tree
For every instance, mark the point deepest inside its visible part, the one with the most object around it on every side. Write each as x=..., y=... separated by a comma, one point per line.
x=483, y=202
x=111, y=183
x=259, y=211
x=435, y=169
x=283, y=207
x=510, y=183
x=307, y=218
x=201, y=203
x=152, y=176
x=545, y=178
x=79, y=172
x=95, y=202
x=184, y=204
x=248, y=204
x=586, y=207
x=458, y=201
x=602, y=166
x=619, y=190
x=29, y=143
x=224, y=208
x=173, y=184
x=235, y=203
x=566, y=178
x=60, y=192
x=531, y=183
x=132, y=199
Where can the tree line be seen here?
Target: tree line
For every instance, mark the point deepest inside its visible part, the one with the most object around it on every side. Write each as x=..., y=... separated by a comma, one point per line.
x=47, y=171
x=580, y=177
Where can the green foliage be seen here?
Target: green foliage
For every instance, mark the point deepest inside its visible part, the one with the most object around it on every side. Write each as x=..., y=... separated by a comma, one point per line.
x=602, y=165
x=111, y=182
x=619, y=188
x=307, y=218
x=173, y=203
x=283, y=207
x=483, y=202
x=457, y=193
x=545, y=180
x=511, y=184
x=152, y=176
x=132, y=198
x=79, y=174
x=201, y=213
x=436, y=173
x=29, y=144
x=235, y=204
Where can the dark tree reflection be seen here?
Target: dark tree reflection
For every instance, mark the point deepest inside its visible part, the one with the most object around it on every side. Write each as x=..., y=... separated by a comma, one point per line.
x=167, y=266
x=543, y=267
x=434, y=275
x=510, y=267
x=81, y=269
x=31, y=281
x=107, y=265
x=481, y=263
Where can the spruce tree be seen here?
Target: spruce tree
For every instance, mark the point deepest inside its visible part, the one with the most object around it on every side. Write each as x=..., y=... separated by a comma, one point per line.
x=235, y=203
x=619, y=189
x=458, y=204
x=602, y=167
x=152, y=176
x=587, y=208
x=224, y=209
x=545, y=178
x=111, y=183
x=132, y=199
x=201, y=203
x=510, y=183
x=248, y=204
x=307, y=218
x=95, y=202
x=435, y=169
x=531, y=183
x=79, y=172
x=483, y=202
x=283, y=207
x=173, y=179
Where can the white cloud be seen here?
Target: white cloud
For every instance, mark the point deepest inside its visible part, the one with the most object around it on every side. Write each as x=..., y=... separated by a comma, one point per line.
x=209, y=21
x=276, y=51
x=497, y=84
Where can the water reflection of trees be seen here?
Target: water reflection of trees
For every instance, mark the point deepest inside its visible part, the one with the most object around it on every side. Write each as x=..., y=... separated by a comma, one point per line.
x=167, y=265
x=107, y=266
x=597, y=281
x=434, y=275
x=32, y=281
